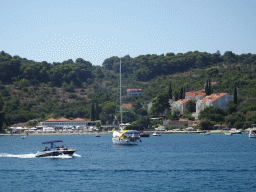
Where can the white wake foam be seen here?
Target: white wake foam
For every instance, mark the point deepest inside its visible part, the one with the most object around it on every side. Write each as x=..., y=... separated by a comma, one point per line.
x=34, y=155
x=18, y=156
x=76, y=155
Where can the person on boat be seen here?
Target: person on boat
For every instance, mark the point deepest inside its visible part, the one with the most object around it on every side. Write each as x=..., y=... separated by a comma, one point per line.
x=62, y=147
x=45, y=149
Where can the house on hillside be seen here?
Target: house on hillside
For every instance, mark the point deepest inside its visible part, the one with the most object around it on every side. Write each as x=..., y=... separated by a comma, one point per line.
x=179, y=105
x=133, y=92
x=212, y=84
x=216, y=100
x=127, y=105
x=195, y=95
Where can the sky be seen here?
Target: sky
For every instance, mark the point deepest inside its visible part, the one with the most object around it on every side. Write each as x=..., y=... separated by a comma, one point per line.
x=58, y=30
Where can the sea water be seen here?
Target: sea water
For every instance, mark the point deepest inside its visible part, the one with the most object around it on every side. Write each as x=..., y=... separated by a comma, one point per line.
x=172, y=162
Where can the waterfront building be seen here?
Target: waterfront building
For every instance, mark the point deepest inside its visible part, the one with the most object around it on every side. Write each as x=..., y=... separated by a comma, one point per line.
x=61, y=122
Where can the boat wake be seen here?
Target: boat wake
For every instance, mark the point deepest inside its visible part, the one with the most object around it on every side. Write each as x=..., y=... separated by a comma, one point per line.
x=34, y=156
x=18, y=156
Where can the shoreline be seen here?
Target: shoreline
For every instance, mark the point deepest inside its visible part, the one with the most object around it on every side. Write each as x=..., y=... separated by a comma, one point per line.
x=103, y=133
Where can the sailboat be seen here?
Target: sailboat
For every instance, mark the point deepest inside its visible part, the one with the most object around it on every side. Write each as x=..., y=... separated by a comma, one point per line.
x=125, y=137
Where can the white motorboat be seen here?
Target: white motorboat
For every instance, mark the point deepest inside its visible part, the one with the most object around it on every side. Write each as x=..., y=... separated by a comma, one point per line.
x=54, y=150
x=23, y=137
x=235, y=131
x=252, y=132
x=230, y=134
x=126, y=137
x=97, y=135
x=156, y=134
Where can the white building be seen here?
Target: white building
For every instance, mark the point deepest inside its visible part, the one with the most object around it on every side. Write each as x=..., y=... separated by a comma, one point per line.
x=179, y=105
x=133, y=92
x=60, y=123
x=216, y=100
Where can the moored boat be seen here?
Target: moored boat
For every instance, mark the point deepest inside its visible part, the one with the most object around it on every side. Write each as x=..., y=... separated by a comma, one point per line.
x=252, y=132
x=235, y=131
x=156, y=134
x=126, y=137
x=230, y=134
x=54, y=150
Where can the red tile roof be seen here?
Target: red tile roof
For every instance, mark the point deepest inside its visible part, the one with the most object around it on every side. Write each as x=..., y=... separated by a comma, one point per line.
x=78, y=119
x=128, y=105
x=63, y=119
x=194, y=93
x=129, y=90
x=212, y=83
x=183, y=100
x=213, y=97
x=51, y=119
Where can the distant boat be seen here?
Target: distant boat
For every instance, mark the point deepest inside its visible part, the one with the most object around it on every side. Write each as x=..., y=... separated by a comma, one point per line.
x=156, y=134
x=235, y=131
x=229, y=134
x=97, y=135
x=23, y=137
x=144, y=134
x=252, y=132
x=206, y=133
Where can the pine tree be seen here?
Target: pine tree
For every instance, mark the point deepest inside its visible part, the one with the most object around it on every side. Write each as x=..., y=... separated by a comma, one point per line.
x=97, y=111
x=210, y=87
x=181, y=92
x=170, y=91
x=235, y=95
x=92, y=113
x=184, y=93
x=206, y=88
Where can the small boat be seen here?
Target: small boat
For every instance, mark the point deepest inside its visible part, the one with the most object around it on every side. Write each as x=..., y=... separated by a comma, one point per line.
x=144, y=134
x=252, y=132
x=126, y=137
x=156, y=134
x=97, y=135
x=23, y=137
x=235, y=131
x=54, y=150
x=229, y=134
x=205, y=133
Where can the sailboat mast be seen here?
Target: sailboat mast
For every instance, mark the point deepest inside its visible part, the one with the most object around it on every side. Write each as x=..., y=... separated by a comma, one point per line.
x=121, y=95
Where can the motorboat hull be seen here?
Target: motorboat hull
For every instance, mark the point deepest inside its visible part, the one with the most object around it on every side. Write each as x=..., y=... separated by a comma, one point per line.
x=55, y=153
x=252, y=135
x=118, y=141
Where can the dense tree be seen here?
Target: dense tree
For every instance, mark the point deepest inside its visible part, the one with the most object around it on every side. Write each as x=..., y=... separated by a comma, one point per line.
x=92, y=112
x=170, y=91
x=235, y=95
x=190, y=106
x=160, y=103
x=97, y=111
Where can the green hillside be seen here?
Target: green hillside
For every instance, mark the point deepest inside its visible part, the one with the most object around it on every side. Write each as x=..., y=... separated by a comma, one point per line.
x=39, y=90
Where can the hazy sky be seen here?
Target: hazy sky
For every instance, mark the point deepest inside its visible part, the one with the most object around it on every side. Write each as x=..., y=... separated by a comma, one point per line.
x=57, y=30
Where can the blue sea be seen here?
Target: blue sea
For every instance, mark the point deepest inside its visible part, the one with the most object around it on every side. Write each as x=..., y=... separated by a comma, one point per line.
x=172, y=162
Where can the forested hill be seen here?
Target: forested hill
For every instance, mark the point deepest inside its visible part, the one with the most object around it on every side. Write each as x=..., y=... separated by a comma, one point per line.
x=31, y=89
